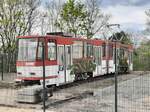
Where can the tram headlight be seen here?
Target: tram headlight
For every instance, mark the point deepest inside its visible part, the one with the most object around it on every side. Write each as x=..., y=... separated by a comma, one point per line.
x=32, y=73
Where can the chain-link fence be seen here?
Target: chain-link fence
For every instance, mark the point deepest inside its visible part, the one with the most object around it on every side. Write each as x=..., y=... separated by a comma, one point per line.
x=133, y=90
x=8, y=66
x=96, y=94
x=133, y=94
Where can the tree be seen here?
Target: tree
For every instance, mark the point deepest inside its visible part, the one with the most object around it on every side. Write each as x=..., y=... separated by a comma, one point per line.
x=96, y=20
x=148, y=21
x=16, y=18
x=53, y=12
x=72, y=17
x=84, y=18
x=31, y=13
x=141, y=57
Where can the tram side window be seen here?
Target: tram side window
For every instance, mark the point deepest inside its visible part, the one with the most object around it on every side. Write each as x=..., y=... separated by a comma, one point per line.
x=126, y=53
x=77, y=49
x=97, y=55
x=104, y=50
x=130, y=57
x=110, y=50
x=122, y=53
x=85, y=49
x=51, y=50
x=68, y=56
x=39, y=54
x=61, y=55
x=117, y=56
x=89, y=50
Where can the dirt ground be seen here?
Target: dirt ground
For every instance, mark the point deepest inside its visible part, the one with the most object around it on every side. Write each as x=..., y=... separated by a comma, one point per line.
x=10, y=109
x=88, y=104
x=9, y=77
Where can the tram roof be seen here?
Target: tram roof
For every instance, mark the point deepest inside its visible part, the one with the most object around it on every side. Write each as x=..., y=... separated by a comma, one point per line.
x=70, y=40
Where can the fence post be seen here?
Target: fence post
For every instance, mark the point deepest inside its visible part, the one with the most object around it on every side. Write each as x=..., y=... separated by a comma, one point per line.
x=116, y=85
x=2, y=74
x=44, y=91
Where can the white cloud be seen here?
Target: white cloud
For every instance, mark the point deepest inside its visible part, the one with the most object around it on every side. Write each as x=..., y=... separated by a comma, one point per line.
x=128, y=16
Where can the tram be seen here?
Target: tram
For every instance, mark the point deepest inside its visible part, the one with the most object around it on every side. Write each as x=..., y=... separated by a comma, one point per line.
x=68, y=59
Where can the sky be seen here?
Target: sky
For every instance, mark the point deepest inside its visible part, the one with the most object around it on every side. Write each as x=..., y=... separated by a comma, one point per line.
x=130, y=14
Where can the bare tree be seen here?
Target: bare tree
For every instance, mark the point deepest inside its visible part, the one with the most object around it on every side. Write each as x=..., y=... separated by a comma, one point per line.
x=53, y=12
x=31, y=13
x=96, y=19
x=16, y=18
x=148, y=20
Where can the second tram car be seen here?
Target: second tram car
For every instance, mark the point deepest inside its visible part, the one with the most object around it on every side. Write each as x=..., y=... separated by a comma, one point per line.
x=62, y=52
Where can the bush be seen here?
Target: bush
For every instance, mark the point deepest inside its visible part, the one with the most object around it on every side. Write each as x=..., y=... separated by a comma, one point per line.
x=83, y=66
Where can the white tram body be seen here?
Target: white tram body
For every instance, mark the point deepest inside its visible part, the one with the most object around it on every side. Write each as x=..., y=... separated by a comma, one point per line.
x=60, y=53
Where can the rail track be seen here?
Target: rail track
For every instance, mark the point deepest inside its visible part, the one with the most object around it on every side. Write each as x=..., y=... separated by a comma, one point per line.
x=92, y=79
x=79, y=82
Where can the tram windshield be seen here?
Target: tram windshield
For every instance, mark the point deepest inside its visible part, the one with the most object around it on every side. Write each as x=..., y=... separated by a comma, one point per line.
x=27, y=49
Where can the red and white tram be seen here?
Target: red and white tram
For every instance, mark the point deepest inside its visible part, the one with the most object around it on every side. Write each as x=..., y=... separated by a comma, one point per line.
x=60, y=53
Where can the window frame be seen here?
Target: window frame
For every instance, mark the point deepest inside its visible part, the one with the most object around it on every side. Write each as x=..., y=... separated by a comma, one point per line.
x=52, y=41
x=89, y=47
x=37, y=52
x=98, y=57
x=78, y=50
x=110, y=50
x=104, y=50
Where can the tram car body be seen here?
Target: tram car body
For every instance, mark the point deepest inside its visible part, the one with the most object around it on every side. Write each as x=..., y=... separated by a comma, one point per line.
x=62, y=53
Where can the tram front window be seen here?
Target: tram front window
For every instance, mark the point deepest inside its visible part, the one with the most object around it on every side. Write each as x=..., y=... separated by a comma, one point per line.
x=27, y=49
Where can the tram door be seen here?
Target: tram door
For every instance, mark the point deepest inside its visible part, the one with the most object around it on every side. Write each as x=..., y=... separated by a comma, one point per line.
x=68, y=63
x=64, y=61
x=98, y=60
x=60, y=57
